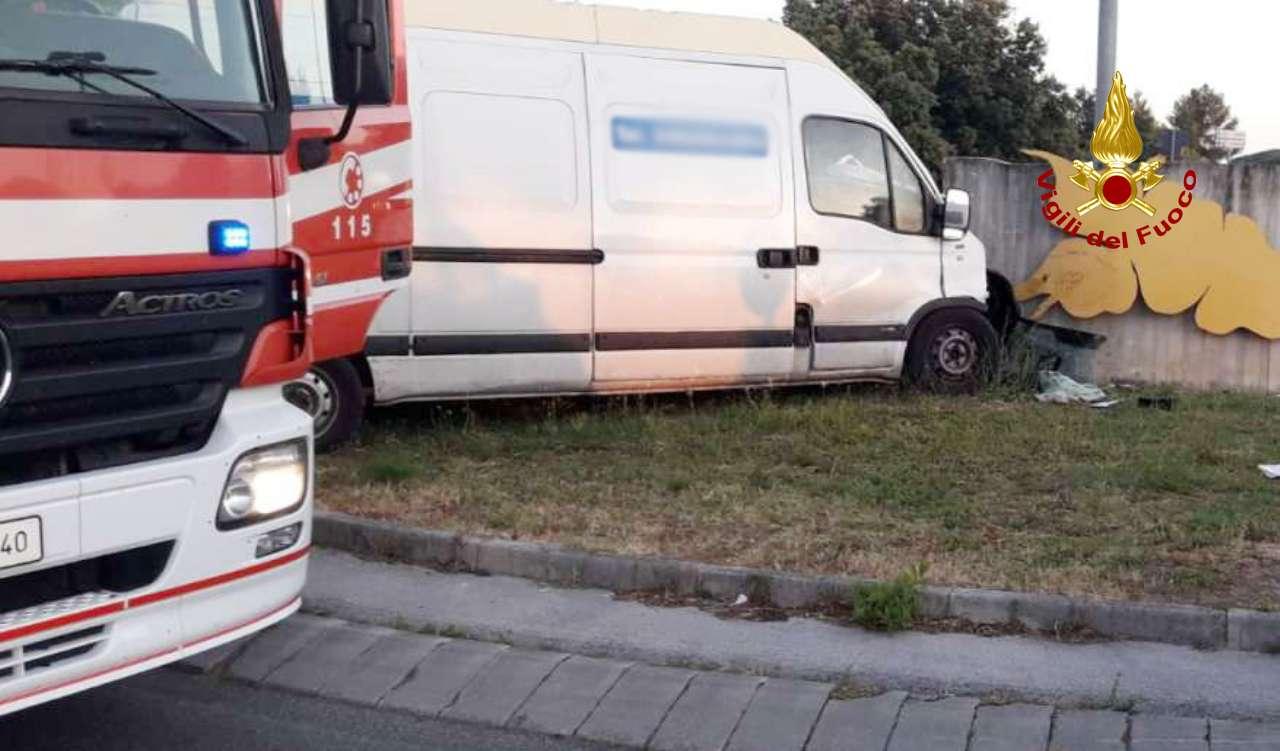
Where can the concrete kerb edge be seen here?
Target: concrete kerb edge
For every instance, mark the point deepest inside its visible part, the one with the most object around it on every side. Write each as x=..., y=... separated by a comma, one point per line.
x=1208, y=628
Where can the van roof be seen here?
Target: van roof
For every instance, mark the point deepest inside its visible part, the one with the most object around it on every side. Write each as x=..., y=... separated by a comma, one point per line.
x=545, y=19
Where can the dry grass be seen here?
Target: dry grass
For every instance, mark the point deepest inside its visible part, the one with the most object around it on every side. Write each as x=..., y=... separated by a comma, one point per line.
x=989, y=491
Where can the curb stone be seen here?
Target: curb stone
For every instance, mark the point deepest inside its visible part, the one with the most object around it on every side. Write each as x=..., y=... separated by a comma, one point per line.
x=561, y=694
x=1253, y=631
x=1188, y=625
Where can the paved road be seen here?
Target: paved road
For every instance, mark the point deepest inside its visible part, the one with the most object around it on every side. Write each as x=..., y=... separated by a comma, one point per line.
x=641, y=706
x=170, y=710
x=1151, y=678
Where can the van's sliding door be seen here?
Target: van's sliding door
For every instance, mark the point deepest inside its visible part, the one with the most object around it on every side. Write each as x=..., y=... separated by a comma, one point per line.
x=503, y=259
x=692, y=170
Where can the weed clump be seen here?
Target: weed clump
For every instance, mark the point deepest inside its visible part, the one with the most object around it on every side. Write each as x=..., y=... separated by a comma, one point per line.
x=889, y=606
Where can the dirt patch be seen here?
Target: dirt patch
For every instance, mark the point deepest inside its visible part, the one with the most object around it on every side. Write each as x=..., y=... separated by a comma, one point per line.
x=842, y=614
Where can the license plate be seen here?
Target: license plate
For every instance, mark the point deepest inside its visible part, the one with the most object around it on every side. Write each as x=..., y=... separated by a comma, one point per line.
x=21, y=542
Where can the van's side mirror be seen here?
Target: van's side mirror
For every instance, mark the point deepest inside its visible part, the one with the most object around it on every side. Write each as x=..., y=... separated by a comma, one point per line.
x=955, y=215
x=360, y=51
x=360, y=60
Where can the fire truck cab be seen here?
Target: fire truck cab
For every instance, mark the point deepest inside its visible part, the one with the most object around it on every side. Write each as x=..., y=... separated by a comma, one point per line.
x=203, y=198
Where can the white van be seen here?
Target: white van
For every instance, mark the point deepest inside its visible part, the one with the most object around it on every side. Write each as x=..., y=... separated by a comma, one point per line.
x=613, y=201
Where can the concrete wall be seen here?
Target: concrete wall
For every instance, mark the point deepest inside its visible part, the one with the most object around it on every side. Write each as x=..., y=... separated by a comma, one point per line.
x=1141, y=345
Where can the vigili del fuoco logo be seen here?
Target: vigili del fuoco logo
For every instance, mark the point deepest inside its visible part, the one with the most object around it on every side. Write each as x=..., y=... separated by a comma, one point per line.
x=1116, y=145
x=1132, y=234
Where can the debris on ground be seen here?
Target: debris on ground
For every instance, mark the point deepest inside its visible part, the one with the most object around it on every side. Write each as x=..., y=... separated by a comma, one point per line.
x=842, y=613
x=1156, y=402
x=1057, y=388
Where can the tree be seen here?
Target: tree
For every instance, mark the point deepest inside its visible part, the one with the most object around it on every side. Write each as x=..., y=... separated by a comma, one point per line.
x=1199, y=113
x=955, y=77
x=903, y=84
x=1148, y=126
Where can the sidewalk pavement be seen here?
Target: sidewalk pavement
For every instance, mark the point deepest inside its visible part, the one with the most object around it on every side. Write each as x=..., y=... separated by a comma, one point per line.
x=1153, y=679
x=673, y=709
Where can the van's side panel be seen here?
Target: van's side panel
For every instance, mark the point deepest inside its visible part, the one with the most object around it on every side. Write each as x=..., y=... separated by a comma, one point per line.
x=691, y=165
x=869, y=279
x=501, y=290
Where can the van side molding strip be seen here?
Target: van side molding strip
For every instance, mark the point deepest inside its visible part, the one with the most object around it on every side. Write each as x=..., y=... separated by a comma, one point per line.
x=500, y=344
x=835, y=334
x=891, y=332
x=647, y=340
x=387, y=346
x=591, y=257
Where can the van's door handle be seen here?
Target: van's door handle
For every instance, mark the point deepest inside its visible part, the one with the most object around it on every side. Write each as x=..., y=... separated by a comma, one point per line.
x=808, y=255
x=776, y=258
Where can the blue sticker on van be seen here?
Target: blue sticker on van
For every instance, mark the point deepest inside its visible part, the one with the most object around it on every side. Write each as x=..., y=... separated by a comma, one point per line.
x=699, y=137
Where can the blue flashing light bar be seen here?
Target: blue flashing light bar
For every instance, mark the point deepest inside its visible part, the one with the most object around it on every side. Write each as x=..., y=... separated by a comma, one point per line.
x=228, y=237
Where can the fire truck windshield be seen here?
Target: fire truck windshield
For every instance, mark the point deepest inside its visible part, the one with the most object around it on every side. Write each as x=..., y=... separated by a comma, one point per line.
x=196, y=50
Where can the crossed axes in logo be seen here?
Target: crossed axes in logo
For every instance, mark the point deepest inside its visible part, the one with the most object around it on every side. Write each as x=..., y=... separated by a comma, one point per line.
x=1117, y=187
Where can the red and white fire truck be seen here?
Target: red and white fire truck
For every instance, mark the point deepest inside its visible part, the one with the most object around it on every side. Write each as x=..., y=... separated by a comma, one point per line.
x=202, y=199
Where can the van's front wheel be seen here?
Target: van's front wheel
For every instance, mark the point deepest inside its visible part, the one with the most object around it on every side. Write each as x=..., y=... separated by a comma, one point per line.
x=952, y=351
x=331, y=393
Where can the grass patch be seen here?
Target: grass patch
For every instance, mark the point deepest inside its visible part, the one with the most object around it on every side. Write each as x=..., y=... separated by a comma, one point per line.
x=392, y=471
x=992, y=491
x=892, y=605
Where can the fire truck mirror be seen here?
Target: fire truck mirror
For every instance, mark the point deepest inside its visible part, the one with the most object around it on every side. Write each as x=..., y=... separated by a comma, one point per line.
x=360, y=57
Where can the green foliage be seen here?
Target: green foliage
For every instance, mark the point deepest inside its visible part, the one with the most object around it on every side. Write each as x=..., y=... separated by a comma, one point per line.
x=1198, y=113
x=890, y=606
x=957, y=78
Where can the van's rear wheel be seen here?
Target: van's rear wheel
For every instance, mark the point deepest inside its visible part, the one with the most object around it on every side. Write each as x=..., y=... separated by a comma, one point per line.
x=953, y=351
x=331, y=393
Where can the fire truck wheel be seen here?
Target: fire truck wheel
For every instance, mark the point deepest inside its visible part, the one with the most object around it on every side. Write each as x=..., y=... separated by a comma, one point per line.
x=332, y=393
x=953, y=351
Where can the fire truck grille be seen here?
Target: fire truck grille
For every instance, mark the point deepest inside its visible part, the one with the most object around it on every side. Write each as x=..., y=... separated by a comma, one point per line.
x=109, y=372
x=36, y=655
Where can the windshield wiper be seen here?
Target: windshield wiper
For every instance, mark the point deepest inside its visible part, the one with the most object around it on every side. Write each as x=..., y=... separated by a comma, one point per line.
x=74, y=65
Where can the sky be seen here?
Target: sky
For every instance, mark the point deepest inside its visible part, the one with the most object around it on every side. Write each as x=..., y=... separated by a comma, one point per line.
x=1232, y=48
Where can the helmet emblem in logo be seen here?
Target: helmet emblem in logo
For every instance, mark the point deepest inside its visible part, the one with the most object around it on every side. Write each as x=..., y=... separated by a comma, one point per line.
x=351, y=181
x=1116, y=144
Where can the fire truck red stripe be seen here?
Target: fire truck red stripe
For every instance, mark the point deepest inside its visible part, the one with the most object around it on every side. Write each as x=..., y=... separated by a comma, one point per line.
x=216, y=581
x=238, y=626
x=378, y=128
x=139, y=660
x=168, y=263
x=150, y=599
x=120, y=175
x=65, y=620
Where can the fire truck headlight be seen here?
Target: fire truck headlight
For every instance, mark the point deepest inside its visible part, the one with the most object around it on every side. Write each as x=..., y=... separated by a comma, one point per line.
x=264, y=484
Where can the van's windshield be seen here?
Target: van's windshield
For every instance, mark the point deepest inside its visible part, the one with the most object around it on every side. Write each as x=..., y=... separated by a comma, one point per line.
x=199, y=50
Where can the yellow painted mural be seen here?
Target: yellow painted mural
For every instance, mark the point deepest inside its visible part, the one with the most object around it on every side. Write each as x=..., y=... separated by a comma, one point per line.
x=1155, y=238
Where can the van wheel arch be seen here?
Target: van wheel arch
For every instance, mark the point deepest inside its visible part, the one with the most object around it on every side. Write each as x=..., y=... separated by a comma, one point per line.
x=334, y=393
x=939, y=305
x=1002, y=307
x=361, y=364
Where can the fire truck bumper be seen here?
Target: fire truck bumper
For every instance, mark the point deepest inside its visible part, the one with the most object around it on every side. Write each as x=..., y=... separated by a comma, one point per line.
x=135, y=571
